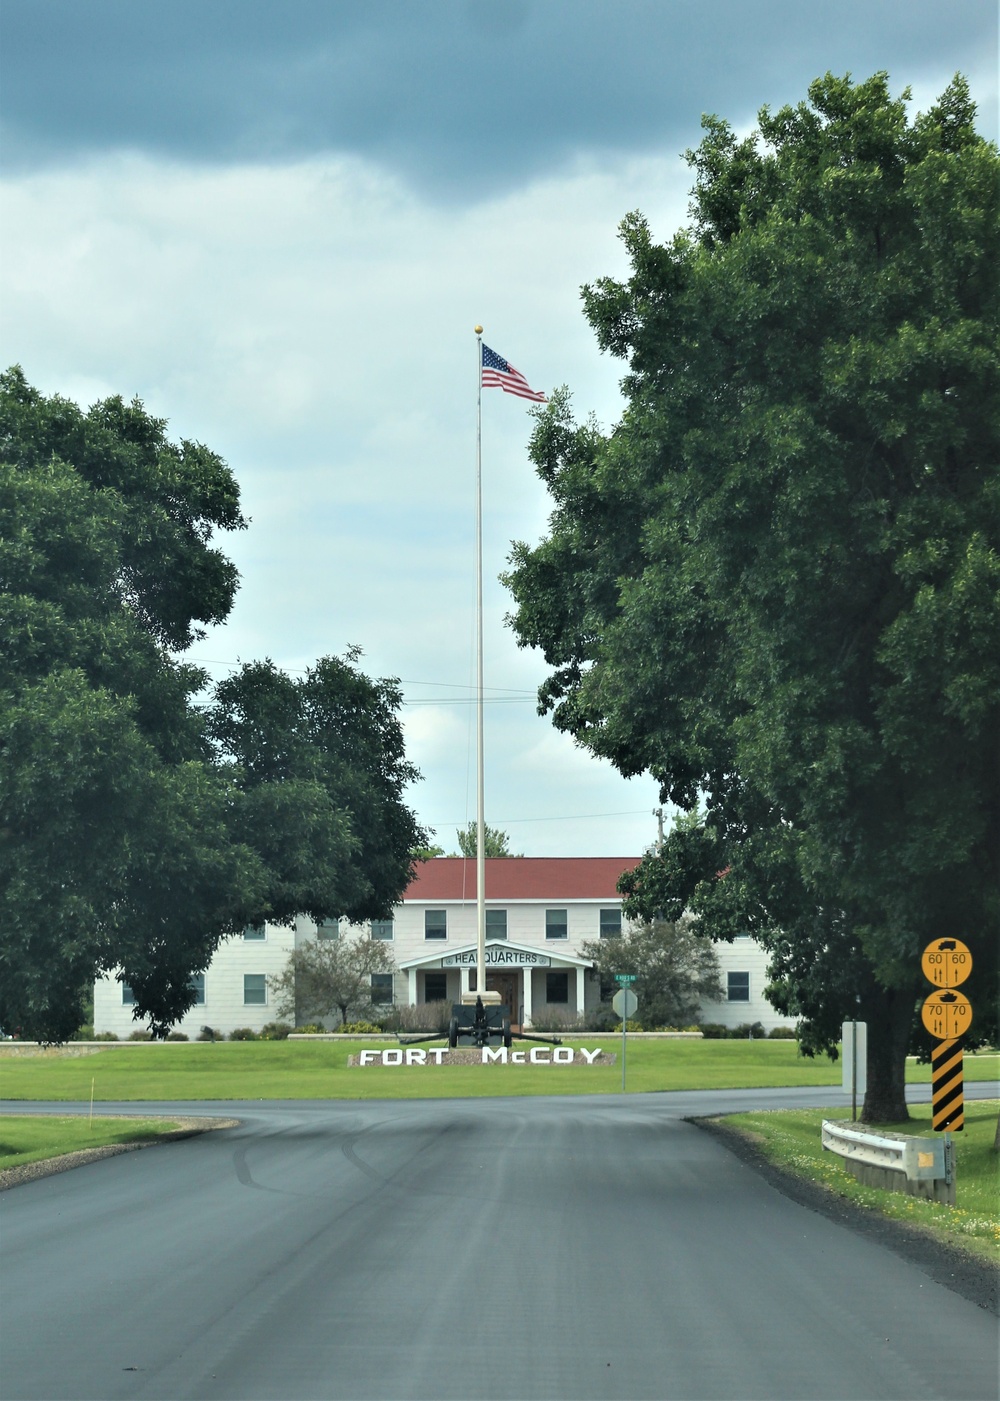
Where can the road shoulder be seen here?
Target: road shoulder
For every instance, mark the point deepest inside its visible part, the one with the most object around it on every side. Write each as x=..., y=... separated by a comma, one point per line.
x=973, y=1279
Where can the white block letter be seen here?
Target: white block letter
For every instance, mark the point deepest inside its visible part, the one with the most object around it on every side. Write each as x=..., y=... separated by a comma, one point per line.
x=590, y=1056
x=500, y=1054
x=539, y=1055
x=562, y=1055
x=392, y=1057
x=415, y=1057
x=367, y=1057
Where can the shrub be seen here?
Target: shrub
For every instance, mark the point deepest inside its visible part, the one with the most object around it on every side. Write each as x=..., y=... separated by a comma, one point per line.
x=358, y=1029
x=243, y=1033
x=275, y=1031
x=176, y=1036
x=310, y=1029
x=602, y=1018
x=748, y=1031
x=782, y=1033
x=207, y=1033
x=426, y=1016
x=714, y=1031
x=141, y=1036
x=555, y=1019
x=84, y=1033
x=105, y=1036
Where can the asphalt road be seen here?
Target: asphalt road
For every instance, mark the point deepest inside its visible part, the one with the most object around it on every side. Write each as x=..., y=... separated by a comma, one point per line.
x=524, y=1248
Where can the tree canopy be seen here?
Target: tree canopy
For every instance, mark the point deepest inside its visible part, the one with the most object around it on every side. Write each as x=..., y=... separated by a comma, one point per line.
x=326, y=976
x=675, y=970
x=139, y=825
x=496, y=842
x=774, y=583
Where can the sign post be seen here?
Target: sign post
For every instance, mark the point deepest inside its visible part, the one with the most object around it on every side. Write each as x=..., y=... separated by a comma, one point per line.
x=624, y=1002
x=947, y=1015
x=854, y=1044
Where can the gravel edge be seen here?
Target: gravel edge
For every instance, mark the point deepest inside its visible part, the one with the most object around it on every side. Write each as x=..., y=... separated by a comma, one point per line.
x=48, y=1167
x=973, y=1279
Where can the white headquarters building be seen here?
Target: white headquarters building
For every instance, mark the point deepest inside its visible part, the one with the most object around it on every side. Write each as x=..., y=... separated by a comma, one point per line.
x=539, y=911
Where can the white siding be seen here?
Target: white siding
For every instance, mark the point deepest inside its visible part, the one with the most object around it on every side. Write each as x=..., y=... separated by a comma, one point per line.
x=744, y=956
x=224, y=1008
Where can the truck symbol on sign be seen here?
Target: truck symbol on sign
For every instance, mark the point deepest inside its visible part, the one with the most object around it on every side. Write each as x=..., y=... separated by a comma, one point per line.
x=946, y=944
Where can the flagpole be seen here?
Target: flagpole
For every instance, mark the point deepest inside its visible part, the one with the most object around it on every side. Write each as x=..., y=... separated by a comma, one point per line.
x=480, y=761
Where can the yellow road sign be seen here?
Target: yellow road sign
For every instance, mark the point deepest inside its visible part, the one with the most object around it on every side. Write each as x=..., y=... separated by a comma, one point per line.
x=946, y=963
x=947, y=1015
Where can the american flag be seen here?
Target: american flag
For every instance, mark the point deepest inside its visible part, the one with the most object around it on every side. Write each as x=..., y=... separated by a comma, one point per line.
x=499, y=373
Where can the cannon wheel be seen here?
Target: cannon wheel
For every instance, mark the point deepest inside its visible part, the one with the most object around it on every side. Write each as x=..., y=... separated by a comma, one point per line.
x=453, y=1033
x=508, y=1039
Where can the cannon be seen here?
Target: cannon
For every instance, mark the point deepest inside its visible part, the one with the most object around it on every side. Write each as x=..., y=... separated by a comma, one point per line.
x=480, y=1025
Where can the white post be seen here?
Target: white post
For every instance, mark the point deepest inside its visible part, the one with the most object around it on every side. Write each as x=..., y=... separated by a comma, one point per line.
x=411, y=986
x=528, y=975
x=581, y=990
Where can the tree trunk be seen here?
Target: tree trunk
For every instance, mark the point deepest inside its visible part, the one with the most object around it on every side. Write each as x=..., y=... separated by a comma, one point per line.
x=889, y=1014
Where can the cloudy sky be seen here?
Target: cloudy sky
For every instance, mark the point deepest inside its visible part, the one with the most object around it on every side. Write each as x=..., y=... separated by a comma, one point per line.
x=277, y=222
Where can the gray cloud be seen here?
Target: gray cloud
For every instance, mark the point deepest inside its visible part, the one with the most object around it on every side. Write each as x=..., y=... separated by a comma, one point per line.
x=461, y=96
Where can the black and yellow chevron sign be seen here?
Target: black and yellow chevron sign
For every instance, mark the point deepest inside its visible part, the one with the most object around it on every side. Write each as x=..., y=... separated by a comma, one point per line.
x=947, y=1086
x=947, y=1016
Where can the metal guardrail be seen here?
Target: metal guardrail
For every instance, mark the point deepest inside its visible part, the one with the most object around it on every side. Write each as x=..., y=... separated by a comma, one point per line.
x=918, y=1159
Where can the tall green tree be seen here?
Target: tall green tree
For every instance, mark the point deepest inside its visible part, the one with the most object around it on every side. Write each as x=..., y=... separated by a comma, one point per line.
x=675, y=970
x=134, y=833
x=496, y=842
x=774, y=584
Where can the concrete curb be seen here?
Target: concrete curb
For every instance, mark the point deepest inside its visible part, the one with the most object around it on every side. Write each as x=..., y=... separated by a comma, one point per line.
x=48, y=1167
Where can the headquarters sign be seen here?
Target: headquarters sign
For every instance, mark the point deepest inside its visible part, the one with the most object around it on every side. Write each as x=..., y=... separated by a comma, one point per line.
x=498, y=957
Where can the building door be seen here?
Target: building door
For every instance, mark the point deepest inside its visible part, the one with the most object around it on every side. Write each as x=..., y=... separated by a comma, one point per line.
x=508, y=985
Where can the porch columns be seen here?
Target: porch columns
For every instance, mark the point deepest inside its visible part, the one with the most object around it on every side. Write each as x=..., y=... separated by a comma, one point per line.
x=528, y=971
x=581, y=993
x=411, y=986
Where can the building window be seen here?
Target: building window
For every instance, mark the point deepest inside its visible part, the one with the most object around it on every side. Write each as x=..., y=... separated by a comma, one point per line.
x=128, y=996
x=435, y=924
x=381, y=928
x=328, y=929
x=557, y=987
x=381, y=988
x=255, y=931
x=738, y=987
x=611, y=923
x=435, y=987
x=555, y=924
x=496, y=924
x=197, y=986
x=254, y=990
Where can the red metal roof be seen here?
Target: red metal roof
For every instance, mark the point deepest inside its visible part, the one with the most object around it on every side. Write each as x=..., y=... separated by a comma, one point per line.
x=521, y=878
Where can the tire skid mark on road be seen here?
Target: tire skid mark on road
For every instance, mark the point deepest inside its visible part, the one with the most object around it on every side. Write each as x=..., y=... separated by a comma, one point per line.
x=242, y=1169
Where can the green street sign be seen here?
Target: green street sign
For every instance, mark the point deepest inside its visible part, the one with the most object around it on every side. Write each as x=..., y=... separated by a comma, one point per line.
x=625, y=977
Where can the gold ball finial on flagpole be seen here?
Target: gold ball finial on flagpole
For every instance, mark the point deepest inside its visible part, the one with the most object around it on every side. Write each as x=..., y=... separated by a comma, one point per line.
x=479, y=330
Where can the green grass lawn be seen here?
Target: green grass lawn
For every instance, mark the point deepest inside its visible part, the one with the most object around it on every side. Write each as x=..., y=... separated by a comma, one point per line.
x=791, y=1139
x=26, y=1138
x=319, y=1070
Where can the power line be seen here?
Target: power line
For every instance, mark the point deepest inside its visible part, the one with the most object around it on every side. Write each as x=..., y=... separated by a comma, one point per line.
x=501, y=692
x=567, y=817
